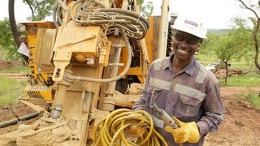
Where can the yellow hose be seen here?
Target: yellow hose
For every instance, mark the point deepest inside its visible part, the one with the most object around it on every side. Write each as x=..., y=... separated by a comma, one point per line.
x=113, y=130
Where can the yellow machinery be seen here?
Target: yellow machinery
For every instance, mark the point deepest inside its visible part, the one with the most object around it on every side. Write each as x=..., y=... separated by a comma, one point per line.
x=90, y=61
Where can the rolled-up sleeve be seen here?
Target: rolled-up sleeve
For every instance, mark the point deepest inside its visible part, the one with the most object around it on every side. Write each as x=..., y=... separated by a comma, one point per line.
x=140, y=104
x=213, y=110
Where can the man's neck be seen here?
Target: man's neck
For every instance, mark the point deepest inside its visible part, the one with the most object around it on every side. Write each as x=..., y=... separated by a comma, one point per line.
x=178, y=64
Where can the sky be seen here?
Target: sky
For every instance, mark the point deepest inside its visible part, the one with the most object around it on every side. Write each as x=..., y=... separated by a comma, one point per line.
x=214, y=13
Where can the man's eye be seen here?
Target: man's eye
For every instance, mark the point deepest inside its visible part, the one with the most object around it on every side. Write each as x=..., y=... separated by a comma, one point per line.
x=179, y=37
x=192, y=41
x=189, y=39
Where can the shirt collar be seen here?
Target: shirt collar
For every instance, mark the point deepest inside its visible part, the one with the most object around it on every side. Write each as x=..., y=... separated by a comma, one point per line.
x=167, y=64
x=190, y=68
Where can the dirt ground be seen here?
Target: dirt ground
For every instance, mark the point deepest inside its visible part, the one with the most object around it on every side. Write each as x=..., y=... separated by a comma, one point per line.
x=7, y=64
x=241, y=126
x=12, y=112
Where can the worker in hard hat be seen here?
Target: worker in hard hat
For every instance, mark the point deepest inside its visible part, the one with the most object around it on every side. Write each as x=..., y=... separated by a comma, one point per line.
x=23, y=48
x=183, y=88
x=23, y=39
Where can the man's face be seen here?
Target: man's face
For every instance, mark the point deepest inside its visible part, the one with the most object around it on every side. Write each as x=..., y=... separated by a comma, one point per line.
x=23, y=39
x=185, y=45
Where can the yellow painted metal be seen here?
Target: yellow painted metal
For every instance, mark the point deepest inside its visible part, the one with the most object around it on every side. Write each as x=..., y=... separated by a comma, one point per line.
x=38, y=24
x=79, y=43
x=68, y=48
x=39, y=92
x=79, y=40
x=35, y=36
x=150, y=40
x=61, y=61
x=44, y=45
x=40, y=38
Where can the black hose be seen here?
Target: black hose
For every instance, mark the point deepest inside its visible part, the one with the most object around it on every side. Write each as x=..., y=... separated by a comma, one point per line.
x=14, y=30
x=15, y=121
x=13, y=22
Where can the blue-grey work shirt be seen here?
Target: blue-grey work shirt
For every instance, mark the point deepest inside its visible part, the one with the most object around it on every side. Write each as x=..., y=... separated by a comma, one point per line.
x=192, y=94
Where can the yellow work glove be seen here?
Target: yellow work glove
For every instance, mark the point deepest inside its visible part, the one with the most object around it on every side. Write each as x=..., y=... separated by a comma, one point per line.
x=187, y=132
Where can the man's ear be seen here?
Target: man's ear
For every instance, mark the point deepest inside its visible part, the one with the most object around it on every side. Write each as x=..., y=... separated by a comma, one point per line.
x=198, y=48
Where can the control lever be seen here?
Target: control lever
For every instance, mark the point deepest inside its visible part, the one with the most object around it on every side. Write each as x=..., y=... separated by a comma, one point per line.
x=164, y=117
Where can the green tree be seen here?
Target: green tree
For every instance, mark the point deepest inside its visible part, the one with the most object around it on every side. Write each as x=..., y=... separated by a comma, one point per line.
x=225, y=51
x=209, y=44
x=39, y=8
x=242, y=39
x=7, y=42
x=234, y=45
x=253, y=6
x=146, y=9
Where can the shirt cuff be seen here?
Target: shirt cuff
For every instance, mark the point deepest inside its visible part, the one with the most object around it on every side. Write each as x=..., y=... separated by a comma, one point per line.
x=138, y=108
x=202, y=128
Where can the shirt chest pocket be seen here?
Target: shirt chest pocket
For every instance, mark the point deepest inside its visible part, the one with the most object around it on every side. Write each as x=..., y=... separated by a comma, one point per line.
x=188, y=107
x=189, y=101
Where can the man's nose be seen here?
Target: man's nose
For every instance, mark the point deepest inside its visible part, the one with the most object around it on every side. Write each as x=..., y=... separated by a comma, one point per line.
x=184, y=43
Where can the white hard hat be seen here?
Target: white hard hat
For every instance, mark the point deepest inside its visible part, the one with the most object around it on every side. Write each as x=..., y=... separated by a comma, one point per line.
x=191, y=26
x=23, y=36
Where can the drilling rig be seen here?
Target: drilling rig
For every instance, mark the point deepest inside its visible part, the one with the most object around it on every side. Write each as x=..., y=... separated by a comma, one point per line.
x=91, y=60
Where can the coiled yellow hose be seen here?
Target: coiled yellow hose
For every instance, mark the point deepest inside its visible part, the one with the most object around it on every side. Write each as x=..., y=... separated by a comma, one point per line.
x=129, y=128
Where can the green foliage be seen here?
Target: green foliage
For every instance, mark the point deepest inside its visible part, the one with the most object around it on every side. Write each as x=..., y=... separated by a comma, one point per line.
x=7, y=96
x=247, y=80
x=210, y=44
x=255, y=100
x=40, y=8
x=236, y=44
x=7, y=86
x=146, y=9
x=7, y=42
x=207, y=58
x=219, y=31
x=225, y=48
x=244, y=65
x=242, y=43
x=238, y=22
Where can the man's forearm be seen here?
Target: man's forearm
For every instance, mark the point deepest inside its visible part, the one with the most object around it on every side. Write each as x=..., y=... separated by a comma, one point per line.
x=140, y=104
x=209, y=123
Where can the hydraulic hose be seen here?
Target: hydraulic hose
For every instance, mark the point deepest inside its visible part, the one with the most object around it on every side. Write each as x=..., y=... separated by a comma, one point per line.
x=113, y=129
x=13, y=22
x=15, y=121
x=134, y=24
x=57, y=15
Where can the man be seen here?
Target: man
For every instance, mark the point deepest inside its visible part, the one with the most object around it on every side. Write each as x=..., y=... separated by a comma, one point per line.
x=184, y=89
x=23, y=39
x=23, y=48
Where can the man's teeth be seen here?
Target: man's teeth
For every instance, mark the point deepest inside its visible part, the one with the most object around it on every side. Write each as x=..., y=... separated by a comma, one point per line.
x=182, y=51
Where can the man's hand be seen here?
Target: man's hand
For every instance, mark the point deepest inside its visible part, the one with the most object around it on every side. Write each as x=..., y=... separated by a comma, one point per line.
x=187, y=132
